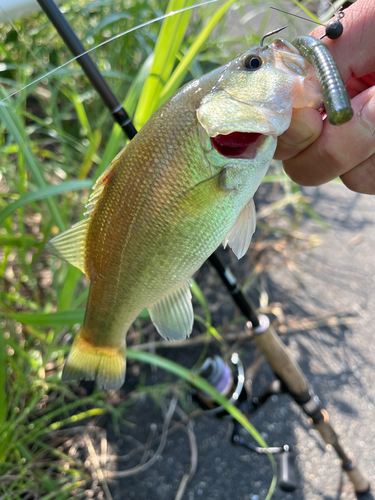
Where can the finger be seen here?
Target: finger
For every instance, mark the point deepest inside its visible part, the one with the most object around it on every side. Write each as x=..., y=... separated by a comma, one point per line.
x=356, y=85
x=305, y=128
x=361, y=178
x=338, y=149
x=354, y=50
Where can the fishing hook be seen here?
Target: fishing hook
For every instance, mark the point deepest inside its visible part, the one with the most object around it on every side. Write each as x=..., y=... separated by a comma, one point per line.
x=272, y=33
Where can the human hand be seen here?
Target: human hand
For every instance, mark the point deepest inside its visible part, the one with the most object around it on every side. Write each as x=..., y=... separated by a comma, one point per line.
x=314, y=151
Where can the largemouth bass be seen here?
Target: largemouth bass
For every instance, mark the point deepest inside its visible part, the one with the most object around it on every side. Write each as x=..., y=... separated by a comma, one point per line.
x=179, y=189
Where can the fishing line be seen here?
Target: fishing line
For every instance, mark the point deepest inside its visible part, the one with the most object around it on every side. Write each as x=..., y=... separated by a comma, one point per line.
x=147, y=23
x=295, y=15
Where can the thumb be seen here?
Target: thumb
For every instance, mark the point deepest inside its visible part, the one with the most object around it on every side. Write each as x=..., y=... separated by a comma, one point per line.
x=306, y=126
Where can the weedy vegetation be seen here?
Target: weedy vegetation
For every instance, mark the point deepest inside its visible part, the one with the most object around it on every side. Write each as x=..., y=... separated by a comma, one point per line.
x=56, y=138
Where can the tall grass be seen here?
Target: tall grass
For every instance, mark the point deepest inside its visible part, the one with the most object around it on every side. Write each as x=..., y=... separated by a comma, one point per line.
x=56, y=138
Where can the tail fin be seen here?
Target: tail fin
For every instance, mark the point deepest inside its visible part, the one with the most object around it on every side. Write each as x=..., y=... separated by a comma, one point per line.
x=106, y=365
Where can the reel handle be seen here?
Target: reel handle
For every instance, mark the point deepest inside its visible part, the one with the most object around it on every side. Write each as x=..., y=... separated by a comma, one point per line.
x=288, y=473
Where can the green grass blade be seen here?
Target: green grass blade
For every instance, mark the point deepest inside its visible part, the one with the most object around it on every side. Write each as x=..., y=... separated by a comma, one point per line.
x=311, y=212
x=54, y=319
x=3, y=366
x=68, y=318
x=130, y=104
x=18, y=241
x=95, y=141
x=168, y=43
x=72, y=278
x=15, y=127
x=135, y=90
x=22, y=354
x=64, y=492
x=76, y=100
x=198, y=294
x=211, y=330
x=275, y=178
x=43, y=193
x=74, y=419
x=180, y=27
x=179, y=73
x=307, y=12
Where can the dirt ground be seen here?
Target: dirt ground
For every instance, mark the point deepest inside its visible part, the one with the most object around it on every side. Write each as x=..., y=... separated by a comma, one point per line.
x=336, y=278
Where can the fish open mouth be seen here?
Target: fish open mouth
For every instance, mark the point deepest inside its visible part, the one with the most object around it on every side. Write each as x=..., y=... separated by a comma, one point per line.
x=237, y=144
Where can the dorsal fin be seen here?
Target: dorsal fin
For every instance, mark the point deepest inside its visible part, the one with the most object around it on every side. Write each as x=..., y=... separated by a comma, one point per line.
x=70, y=245
x=100, y=184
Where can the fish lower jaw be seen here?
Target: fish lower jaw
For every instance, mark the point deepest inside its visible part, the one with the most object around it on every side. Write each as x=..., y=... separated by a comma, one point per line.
x=239, y=145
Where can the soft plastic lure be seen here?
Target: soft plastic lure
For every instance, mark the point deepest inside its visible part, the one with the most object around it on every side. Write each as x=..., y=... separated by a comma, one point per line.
x=336, y=99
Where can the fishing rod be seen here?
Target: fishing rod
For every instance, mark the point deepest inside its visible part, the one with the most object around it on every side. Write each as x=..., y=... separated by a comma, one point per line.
x=277, y=354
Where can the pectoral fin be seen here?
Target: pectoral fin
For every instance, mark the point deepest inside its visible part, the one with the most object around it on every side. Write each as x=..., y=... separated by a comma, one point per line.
x=202, y=196
x=173, y=314
x=240, y=234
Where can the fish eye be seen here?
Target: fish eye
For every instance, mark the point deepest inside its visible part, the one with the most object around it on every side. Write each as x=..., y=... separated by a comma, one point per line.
x=252, y=62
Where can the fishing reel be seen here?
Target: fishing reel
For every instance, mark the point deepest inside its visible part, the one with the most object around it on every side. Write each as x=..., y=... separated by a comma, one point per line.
x=229, y=380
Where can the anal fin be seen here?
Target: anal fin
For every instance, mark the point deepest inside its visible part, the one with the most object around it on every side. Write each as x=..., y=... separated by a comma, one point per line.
x=240, y=234
x=173, y=315
x=104, y=364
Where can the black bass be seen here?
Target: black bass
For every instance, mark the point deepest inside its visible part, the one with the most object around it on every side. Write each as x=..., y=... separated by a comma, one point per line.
x=179, y=189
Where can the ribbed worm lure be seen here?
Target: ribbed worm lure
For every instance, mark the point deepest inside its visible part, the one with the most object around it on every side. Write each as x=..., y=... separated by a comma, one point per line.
x=336, y=100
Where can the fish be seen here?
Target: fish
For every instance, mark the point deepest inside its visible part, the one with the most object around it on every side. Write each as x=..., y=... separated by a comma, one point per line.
x=183, y=186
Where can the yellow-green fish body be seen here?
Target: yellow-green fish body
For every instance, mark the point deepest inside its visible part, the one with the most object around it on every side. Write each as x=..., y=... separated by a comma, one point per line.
x=179, y=189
